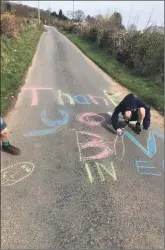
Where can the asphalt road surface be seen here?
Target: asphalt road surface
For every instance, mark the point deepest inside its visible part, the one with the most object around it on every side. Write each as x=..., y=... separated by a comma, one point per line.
x=76, y=185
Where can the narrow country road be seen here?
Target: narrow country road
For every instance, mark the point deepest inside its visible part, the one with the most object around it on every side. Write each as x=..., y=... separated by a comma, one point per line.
x=76, y=185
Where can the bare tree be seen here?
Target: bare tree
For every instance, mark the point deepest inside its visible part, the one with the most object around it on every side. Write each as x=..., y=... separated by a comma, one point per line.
x=132, y=27
x=99, y=17
x=69, y=14
x=149, y=20
x=5, y=6
x=130, y=14
x=79, y=15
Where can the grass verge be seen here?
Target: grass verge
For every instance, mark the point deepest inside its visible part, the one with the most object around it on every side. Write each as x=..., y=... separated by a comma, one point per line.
x=16, y=56
x=144, y=87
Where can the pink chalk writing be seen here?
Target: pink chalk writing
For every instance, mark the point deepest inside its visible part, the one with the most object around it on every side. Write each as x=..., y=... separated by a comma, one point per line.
x=34, y=94
x=84, y=118
x=97, y=142
x=95, y=102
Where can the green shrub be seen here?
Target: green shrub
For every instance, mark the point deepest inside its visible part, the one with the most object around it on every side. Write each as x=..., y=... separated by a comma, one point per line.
x=92, y=35
x=9, y=27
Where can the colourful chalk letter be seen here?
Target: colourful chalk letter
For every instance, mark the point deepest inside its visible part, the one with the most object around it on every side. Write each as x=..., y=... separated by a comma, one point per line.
x=81, y=99
x=60, y=100
x=97, y=142
x=57, y=125
x=34, y=94
x=110, y=170
x=101, y=169
x=84, y=118
x=151, y=149
x=112, y=98
x=142, y=166
x=95, y=102
x=90, y=177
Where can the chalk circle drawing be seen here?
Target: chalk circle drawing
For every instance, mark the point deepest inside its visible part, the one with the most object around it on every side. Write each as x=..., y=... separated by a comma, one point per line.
x=57, y=125
x=84, y=118
x=97, y=142
x=15, y=173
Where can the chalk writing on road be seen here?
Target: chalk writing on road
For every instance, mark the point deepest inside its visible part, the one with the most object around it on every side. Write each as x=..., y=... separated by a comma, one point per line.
x=64, y=98
x=94, y=99
x=57, y=125
x=101, y=170
x=80, y=99
x=15, y=173
x=84, y=118
x=112, y=98
x=34, y=94
x=60, y=99
x=97, y=142
x=119, y=140
x=145, y=168
x=151, y=149
x=94, y=119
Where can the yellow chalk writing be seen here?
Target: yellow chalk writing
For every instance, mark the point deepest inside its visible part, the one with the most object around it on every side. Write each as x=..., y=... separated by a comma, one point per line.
x=89, y=173
x=60, y=100
x=101, y=169
x=112, y=98
x=110, y=170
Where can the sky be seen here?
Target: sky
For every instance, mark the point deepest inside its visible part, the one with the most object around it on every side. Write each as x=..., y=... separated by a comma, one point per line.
x=137, y=12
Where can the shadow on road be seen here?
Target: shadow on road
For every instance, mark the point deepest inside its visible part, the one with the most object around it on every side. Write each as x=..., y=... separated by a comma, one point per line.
x=107, y=124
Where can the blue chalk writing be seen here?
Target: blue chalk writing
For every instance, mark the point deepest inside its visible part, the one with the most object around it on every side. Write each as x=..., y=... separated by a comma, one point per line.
x=83, y=101
x=145, y=165
x=57, y=125
x=151, y=144
x=158, y=135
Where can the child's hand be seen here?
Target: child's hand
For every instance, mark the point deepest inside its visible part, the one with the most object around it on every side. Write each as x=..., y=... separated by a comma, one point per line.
x=119, y=131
